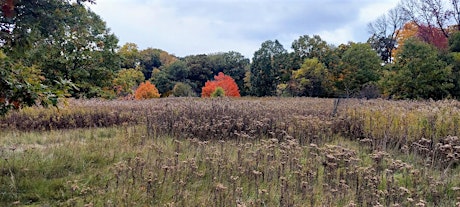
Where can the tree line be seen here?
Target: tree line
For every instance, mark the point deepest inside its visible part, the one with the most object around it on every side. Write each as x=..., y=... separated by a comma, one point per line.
x=60, y=48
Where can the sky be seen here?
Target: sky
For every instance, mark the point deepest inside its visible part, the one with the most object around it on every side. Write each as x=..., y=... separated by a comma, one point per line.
x=191, y=27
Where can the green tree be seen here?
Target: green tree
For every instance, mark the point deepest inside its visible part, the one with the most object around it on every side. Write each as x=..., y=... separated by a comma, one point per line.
x=309, y=47
x=454, y=42
x=65, y=41
x=33, y=21
x=146, y=60
x=312, y=79
x=419, y=73
x=360, y=66
x=454, y=59
x=199, y=71
x=167, y=76
x=23, y=86
x=130, y=56
x=183, y=90
x=163, y=82
x=233, y=64
x=247, y=82
x=149, y=59
x=267, y=66
x=84, y=54
x=127, y=80
x=333, y=62
x=167, y=59
x=177, y=71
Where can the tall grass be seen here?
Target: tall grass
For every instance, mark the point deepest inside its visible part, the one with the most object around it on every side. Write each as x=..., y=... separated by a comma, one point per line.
x=224, y=119
x=122, y=167
x=428, y=128
x=76, y=114
x=232, y=152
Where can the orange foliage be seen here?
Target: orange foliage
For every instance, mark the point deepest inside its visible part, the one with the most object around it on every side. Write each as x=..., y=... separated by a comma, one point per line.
x=409, y=30
x=431, y=35
x=146, y=91
x=224, y=81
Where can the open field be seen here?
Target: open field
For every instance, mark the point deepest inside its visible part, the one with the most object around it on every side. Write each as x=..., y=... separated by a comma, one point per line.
x=229, y=152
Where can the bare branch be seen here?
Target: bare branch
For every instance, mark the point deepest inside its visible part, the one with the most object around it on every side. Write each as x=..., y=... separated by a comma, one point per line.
x=456, y=12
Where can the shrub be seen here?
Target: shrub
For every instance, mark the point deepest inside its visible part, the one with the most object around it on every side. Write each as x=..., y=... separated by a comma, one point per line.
x=146, y=90
x=183, y=90
x=219, y=92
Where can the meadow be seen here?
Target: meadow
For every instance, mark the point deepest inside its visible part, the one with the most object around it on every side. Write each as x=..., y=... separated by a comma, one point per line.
x=232, y=152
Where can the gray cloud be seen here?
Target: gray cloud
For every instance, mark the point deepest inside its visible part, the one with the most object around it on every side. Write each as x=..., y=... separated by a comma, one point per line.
x=187, y=27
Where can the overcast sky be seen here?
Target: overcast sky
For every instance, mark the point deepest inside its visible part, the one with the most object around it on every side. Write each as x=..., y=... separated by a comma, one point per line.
x=190, y=27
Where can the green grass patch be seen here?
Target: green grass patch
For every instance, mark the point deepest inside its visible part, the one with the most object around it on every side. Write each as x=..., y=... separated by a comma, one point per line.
x=121, y=167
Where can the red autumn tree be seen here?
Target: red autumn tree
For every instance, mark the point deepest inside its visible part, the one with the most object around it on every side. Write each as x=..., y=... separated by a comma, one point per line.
x=433, y=36
x=225, y=82
x=8, y=8
x=209, y=87
x=429, y=34
x=146, y=90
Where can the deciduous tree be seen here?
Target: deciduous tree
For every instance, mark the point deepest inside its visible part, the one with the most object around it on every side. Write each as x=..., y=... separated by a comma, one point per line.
x=146, y=90
x=183, y=90
x=233, y=64
x=313, y=79
x=433, y=36
x=227, y=83
x=409, y=30
x=360, y=65
x=266, y=69
x=162, y=81
x=126, y=80
x=199, y=70
x=130, y=56
x=149, y=59
x=385, y=30
x=454, y=42
x=309, y=47
x=63, y=40
x=23, y=86
x=177, y=71
x=454, y=60
x=419, y=73
x=431, y=13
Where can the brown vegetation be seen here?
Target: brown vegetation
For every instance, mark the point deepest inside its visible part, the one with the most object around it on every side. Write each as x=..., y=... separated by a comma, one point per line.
x=247, y=152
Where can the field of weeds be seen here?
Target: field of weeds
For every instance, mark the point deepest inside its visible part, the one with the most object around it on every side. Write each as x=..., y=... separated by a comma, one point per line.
x=232, y=152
